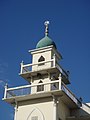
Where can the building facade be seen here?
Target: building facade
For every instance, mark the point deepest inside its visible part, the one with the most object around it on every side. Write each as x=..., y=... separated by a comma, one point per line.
x=47, y=96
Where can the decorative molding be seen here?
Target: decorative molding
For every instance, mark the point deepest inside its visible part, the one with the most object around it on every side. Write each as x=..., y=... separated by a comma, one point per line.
x=39, y=111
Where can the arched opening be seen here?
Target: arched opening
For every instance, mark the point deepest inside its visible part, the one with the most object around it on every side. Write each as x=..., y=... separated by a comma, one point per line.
x=41, y=59
x=40, y=87
x=35, y=114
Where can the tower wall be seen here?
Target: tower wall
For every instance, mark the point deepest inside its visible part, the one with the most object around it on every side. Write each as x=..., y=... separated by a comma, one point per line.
x=63, y=111
x=42, y=109
x=44, y=79
x=36, y=57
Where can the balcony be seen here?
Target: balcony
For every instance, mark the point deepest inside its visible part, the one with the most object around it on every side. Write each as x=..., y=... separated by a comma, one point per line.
x=44, y=67
x=57, y=88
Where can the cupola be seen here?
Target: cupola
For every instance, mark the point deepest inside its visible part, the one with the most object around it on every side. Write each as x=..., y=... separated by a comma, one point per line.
x=46, y=41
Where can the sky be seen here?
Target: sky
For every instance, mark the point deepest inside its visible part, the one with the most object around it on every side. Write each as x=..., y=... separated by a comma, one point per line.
x=22, y=26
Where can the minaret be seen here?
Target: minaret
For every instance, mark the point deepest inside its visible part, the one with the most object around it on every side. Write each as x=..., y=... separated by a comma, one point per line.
x=46, y=97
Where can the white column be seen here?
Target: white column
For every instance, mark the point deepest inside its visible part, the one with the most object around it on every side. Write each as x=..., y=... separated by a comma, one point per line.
x=54, y=108
x=15, y=114
x=16, y=109
x=48, y=87
x=54, y=62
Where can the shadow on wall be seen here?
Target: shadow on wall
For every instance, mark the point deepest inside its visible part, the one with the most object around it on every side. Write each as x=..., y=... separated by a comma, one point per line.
x=82, y=113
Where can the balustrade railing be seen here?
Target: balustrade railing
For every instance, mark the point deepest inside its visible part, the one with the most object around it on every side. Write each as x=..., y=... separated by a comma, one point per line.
x=29, y=67
x=27, y=90
x=62, y=70
x=51, y=63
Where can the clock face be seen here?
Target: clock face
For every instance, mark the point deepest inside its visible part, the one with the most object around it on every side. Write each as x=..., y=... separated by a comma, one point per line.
x=35, y=114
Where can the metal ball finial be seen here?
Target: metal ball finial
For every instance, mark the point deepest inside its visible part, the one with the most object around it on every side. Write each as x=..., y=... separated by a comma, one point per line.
x=46, y=23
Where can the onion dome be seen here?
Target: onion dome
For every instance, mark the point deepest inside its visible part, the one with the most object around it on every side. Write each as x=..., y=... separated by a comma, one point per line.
x=46, y=41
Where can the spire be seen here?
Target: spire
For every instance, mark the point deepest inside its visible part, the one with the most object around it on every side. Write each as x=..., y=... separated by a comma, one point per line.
x=46, y=23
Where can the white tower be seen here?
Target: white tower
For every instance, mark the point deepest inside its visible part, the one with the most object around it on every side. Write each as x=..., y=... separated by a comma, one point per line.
x=47, y=96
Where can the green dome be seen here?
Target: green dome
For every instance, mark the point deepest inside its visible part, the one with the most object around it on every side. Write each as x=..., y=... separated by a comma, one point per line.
x=46, y=41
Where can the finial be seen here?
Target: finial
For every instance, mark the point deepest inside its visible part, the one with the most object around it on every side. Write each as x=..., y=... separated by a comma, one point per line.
x=22, y=62
x=46, y=23
x=6, y=85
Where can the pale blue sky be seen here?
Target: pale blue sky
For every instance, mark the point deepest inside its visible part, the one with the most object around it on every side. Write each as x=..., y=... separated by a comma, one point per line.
x=21, y=27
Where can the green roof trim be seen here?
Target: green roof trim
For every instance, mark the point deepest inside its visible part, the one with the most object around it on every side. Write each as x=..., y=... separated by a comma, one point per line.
x=46, y=41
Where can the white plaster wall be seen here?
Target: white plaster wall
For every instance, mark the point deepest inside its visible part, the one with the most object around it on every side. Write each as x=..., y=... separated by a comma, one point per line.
x=43, y=108
x=47, y=87
x=63, y=111
x=35, y=57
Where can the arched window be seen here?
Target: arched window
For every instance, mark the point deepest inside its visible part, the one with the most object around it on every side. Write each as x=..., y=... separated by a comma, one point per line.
x=40, y=87
x=41, y=59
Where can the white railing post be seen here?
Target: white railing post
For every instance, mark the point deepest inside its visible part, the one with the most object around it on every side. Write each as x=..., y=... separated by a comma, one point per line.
x=21, y=67
x=5, y=93
x=60, y=81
